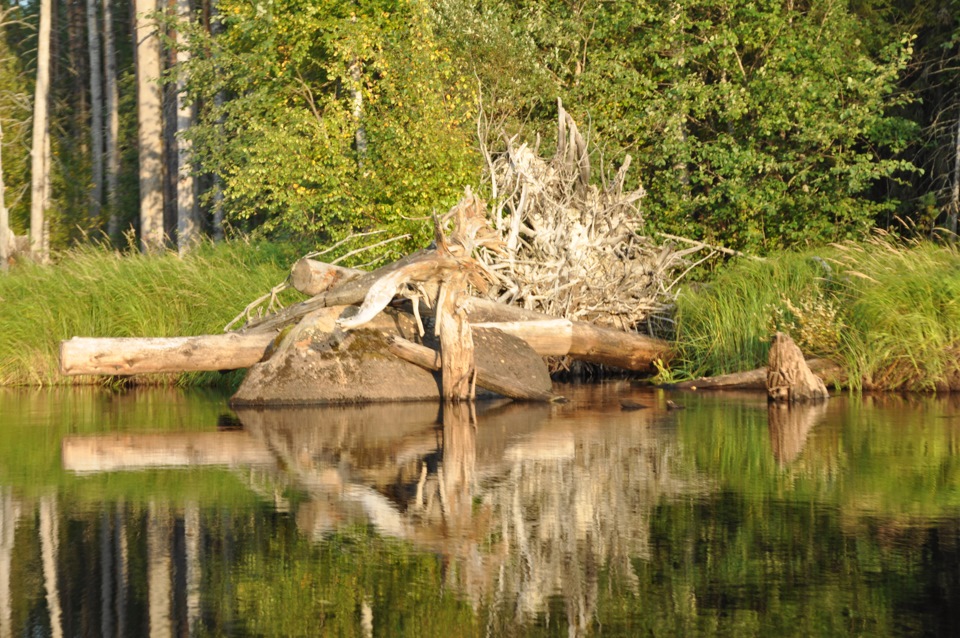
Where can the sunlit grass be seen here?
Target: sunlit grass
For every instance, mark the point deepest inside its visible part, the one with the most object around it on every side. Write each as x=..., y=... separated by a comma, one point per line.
x=887, y=310
x=98, y=292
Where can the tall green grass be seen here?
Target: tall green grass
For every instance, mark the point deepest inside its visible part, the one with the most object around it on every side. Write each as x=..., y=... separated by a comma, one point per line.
x=98, y=292
x=887, y=310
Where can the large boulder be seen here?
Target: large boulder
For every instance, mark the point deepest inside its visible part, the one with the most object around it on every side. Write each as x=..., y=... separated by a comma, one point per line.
x=315, y=363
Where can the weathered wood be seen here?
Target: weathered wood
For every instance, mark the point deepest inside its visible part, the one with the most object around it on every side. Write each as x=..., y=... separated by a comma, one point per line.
x=789, y=379
x=756, y=379
x=547, y=337
x=588, y=342
x=312, y=277
x=456, y=341
x=125, y=356
x=488, y=379
x=110, y=453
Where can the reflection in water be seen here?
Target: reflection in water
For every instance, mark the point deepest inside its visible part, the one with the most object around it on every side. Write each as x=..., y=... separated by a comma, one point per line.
x=496, y=520
x=9, y=517
x=790, y=426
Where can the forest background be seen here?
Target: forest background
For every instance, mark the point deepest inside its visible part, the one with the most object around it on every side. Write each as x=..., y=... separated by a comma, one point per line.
x=755, y=125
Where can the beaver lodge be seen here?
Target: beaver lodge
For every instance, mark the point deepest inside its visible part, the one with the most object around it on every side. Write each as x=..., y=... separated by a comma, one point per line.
x=553, y=267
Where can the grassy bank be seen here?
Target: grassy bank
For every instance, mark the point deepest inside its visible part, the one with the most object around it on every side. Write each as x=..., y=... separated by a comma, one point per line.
x=95, y=292
x=888, y=311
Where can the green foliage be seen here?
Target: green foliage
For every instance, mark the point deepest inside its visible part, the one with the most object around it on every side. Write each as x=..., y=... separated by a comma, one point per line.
x=757, y=125
x=95, y=292
x=888, y=311
x=292, y=91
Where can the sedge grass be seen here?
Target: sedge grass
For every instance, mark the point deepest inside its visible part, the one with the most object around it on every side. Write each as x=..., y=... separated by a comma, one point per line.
x=887, y=310
x=98, y=292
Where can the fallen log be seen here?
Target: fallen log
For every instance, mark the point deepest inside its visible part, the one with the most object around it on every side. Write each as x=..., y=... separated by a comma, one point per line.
x=312, y=277
x=233, y=351
x=828, y=371
x=142, y=355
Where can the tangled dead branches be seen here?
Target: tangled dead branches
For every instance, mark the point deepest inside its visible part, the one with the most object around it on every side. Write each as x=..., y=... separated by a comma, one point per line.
x=571, y=249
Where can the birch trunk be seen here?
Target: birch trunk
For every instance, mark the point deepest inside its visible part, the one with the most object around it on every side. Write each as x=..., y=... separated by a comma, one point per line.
x=40, y=150
x=187, y=221
x=112, y=128
x=150, y=119
x=96, y=110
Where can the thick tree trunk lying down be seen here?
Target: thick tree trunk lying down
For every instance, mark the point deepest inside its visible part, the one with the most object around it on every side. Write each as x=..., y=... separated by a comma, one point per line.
x=126, y=356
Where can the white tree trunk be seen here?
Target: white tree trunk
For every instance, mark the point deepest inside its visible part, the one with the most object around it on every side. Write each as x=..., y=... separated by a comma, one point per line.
x=188, y=230
x=6, y=236
x=40, y=150
x=112, y=129
x=96, y=110
x=150, y=118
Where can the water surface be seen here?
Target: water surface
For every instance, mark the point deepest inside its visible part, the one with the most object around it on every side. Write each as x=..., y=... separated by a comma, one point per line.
x=164, y=513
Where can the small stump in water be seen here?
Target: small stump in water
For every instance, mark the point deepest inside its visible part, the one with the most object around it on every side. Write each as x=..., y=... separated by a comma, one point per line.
x=789, y=379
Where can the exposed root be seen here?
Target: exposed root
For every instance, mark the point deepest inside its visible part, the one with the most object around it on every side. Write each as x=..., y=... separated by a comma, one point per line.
x=570, y=249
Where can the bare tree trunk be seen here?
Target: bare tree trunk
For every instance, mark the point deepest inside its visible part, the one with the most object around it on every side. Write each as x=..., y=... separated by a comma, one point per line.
x=40, y=151
x=112, y=128
x=6, y=236
x=150, y=118
x=96, y=110
x=188, y=231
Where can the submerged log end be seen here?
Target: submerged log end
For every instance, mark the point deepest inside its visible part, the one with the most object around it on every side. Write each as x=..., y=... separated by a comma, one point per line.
x=789, y=378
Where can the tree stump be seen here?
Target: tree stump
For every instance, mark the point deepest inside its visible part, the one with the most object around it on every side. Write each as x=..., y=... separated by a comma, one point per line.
x=789, y=379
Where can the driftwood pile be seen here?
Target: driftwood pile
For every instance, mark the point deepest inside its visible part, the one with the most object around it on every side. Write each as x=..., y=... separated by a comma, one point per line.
x=555, y=268
x=418, y=310
x=570, y=249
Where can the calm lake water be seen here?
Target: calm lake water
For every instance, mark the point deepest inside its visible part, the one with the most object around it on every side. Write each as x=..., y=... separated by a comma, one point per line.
x=164, y=513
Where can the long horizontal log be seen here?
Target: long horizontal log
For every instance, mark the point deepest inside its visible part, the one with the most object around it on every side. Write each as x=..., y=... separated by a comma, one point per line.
x=127, y=356
x=488, y=379
x=141, y=355
x=588, y=342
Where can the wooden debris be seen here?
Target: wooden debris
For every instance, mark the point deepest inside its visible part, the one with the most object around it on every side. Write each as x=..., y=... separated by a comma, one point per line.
x=828, y=371
x=789, y=379
x=140, y=355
